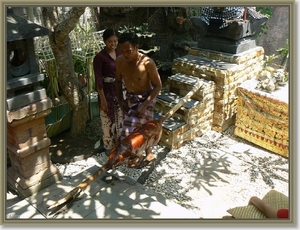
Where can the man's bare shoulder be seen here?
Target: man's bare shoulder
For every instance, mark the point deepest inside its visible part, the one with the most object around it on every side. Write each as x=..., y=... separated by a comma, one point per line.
x=149, y=63
x=147, y=60
x=119, y=58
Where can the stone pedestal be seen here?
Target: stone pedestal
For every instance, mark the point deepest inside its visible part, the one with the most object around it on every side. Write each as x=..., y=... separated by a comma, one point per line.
x=28, y=148
x=235, y=30
x=226, y=46
x=27, y=105
x=237, y=37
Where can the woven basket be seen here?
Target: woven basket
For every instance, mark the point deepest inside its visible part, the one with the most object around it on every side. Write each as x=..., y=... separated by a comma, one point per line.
x=274, y=198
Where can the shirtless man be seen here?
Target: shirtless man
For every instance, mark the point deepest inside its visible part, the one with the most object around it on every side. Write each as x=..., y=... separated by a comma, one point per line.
x=142, y=83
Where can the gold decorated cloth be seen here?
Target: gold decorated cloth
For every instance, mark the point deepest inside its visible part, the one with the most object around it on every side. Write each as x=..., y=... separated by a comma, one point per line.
x=263, y=117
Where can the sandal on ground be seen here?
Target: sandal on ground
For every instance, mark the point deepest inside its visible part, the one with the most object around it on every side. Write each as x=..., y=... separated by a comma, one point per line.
x=144, y=163
x=133, y=163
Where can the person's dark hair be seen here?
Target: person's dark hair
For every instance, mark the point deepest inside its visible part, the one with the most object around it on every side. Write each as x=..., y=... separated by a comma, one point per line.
x=108, y=33
x=130, y=37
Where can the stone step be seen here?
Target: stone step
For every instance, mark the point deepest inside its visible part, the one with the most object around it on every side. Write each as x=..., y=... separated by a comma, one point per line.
x=192, y=112
x=204, y=68
x=193, y=118
x=181, y=84
x=220, y=72
x=177, y=132
x=111, y=196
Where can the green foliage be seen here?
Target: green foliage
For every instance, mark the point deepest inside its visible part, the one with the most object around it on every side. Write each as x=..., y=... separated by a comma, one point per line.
x=186, y=12
x=80, y=29
x=50, y=82
x=284, y=51
x=264, y=30
x=194, y=11
x=84, y=42
x=265, y=11
x=79, y=65
x=176, y=10
x=269, y=59
x=268, y=13
x=141, y=31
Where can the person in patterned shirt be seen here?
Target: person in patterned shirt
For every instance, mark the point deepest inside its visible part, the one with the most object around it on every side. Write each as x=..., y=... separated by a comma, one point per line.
x=222, y=16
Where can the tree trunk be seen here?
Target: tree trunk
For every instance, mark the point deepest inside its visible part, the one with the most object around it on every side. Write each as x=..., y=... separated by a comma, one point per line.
x=61, y=47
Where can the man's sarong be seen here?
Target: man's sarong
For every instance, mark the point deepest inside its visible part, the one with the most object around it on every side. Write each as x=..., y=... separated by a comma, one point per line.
x=131, y=120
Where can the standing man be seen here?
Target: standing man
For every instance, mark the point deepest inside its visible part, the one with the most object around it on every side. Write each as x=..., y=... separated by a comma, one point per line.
x=142, y=83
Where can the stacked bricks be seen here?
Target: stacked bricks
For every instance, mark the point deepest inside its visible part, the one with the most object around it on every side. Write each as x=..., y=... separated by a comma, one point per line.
x=193, y=118
x=28, y=148
x=263, y=117
x=227, y=71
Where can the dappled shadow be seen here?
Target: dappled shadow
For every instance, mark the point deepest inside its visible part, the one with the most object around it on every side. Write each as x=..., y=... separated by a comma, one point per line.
x=211, y=173
x=208, y=167
x=267, y=167
x=65, y=148
x=108, y=197
x=202, y=172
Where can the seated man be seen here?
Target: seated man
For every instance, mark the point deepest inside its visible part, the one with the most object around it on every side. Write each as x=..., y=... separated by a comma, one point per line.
x=229, y=22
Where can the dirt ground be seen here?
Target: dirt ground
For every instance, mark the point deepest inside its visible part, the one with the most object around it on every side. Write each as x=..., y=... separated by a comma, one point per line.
x=65, y=149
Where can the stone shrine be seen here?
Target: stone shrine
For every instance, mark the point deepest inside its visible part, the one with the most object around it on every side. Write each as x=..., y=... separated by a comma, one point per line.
x=228, y=29
x=26, y=107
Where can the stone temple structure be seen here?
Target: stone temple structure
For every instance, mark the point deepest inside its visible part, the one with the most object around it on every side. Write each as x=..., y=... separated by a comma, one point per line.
x=26, y=107
x=228, y=62
x=226, y=55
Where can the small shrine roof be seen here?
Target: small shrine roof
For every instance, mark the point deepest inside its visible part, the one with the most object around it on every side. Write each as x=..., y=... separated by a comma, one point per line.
x=18, y=28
